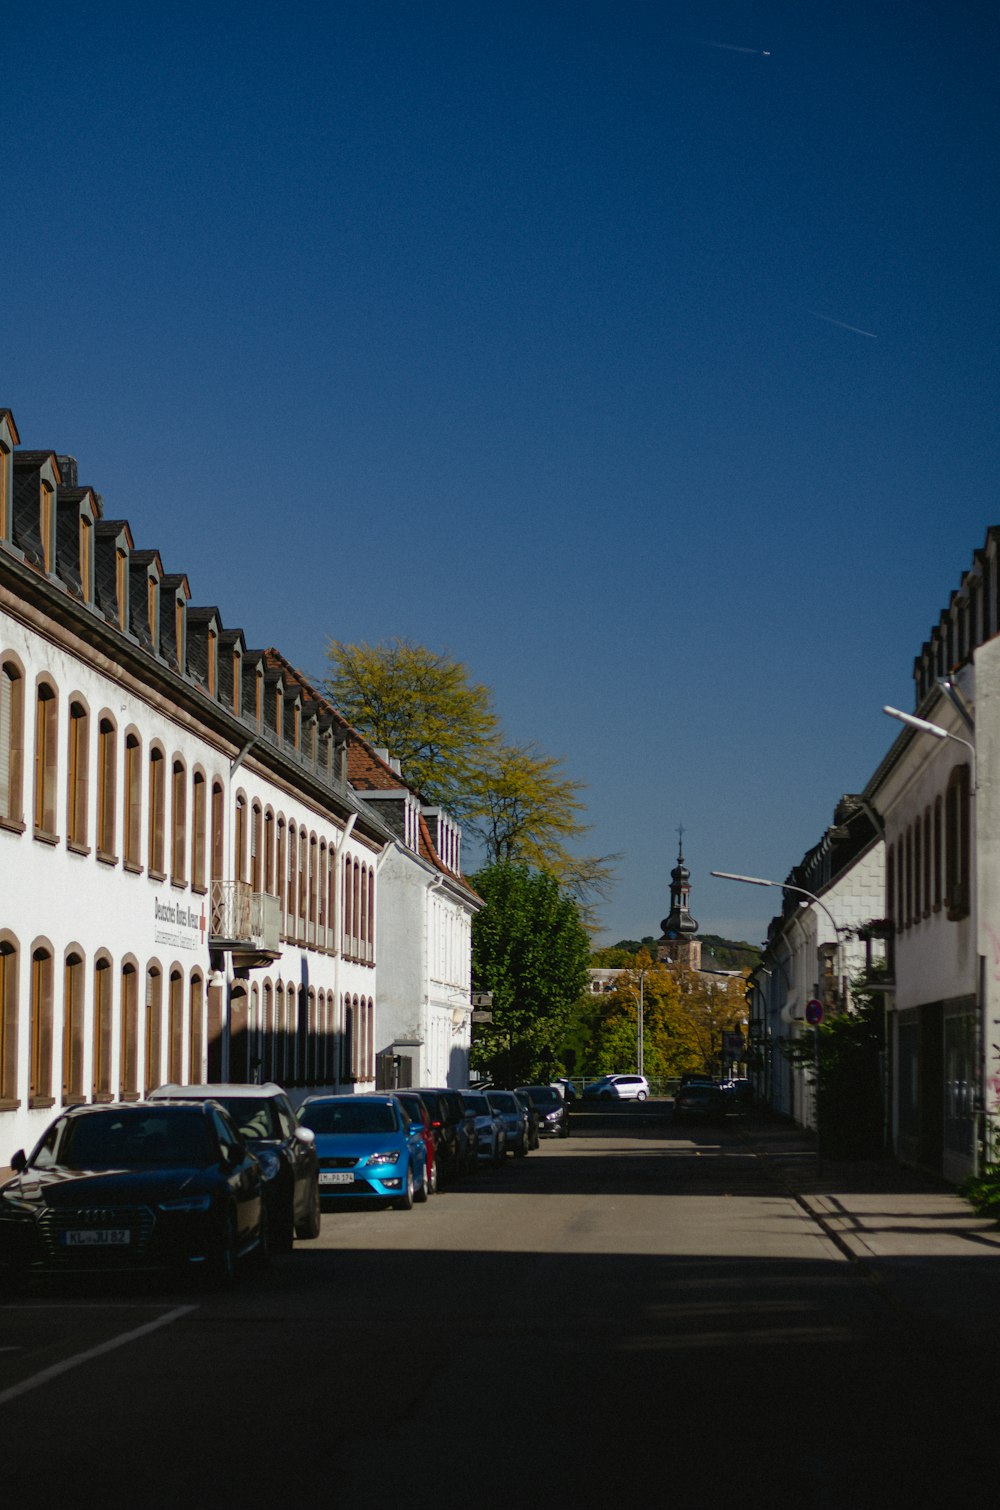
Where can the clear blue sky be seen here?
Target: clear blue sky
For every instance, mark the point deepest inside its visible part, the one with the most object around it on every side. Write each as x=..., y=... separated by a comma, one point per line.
x=521, y=329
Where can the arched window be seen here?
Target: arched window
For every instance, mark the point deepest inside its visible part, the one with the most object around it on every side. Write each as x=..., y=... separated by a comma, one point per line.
x=132, y=802
x=196, y=1030
x=267, y=1068
x=313, y=878
x=303, y=926
x=72, y=1055
x=157, y=812
x=363, y=931
x=356, y=912
x=175, y=1027
x=348, y=908
x=8, y=1021
x=198, y=830
x=128, y=1078
x=178, y=820
x=371, y=915
x=347, y=1042
x=154, y=1026
x=240, y=837
x=279, y=875
x=938, y=863
x=256, y=847
x=107, y=760
x=269, y=851
x=101, y=1078
x=292, y=883
x=40, y=1070
x=11, y=740
x=218, y=831
x=46, y=761
x=77, y=775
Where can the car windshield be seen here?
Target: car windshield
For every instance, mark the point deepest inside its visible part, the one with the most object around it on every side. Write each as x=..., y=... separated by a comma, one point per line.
x=504, y=1101
x=413, y=1108
x=354, y=1116
x=478, y=1105
x=140, y=1139
x=255, y=1116
x=542, y=1095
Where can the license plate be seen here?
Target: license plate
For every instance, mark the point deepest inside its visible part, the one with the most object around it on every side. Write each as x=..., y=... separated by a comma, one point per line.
x=339, y=1178
x=97, y=1237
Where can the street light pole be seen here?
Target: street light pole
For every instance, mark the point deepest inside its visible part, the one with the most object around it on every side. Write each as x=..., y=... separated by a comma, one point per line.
x=725, y=875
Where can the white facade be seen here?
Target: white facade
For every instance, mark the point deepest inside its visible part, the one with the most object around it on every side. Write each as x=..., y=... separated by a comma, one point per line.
x=188, y=886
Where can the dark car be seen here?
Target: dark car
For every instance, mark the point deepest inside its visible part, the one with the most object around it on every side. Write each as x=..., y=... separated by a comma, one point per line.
x=285, y=1151
x=134, y=1187
x=534, y=1121
x=700, y=1101
x=457, y=1141
x=551, y=1107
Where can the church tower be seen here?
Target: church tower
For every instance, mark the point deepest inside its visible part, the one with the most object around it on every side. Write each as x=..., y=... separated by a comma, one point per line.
x=678, y=945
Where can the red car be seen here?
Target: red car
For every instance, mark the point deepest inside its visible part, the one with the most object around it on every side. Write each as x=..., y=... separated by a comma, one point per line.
x=417, y=1112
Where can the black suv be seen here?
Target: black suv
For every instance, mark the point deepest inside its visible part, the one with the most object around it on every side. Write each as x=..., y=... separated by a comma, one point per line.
x=285, y=1152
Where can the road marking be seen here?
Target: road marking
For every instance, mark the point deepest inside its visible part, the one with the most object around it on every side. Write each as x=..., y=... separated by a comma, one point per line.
x=54, y=1371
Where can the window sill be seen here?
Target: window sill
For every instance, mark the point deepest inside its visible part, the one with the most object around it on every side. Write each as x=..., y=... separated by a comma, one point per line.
x=178, y=883
x=13, y=825
x=44, y=837
x=106, y=859
x=157, y=875
x=41, y=1102
x=129, y=1096
x=132, y=867
x=9, y=1106
x=77, y=849
x=103, y=1098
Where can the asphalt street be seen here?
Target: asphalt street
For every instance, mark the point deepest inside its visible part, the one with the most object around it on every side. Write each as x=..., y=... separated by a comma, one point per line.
x=640, y=1312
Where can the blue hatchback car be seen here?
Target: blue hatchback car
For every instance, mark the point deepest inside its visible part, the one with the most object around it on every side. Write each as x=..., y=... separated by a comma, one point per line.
x=368, y=1149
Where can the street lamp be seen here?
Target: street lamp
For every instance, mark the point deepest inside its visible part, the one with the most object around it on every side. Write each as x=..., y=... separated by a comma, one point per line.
x=725, y=875
x=926, y=727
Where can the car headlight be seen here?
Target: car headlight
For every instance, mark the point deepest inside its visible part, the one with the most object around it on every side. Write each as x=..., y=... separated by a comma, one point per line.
x=187, y=1203
x=553, y=1116
x=390, y=1157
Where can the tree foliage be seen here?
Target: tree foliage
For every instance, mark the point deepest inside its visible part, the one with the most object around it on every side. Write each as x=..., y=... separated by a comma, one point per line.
x=530, y=948
x=685, y=1014
x=843, y=1059
x=517, y=802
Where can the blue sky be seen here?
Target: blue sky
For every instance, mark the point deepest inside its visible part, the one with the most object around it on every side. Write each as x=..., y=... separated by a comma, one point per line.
x=521, y=330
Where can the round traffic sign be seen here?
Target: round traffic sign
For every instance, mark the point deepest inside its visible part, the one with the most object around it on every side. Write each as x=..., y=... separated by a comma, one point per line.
x=814, y=1012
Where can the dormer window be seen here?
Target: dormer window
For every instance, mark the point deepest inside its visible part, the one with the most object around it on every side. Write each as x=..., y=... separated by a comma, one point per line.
x=153, y=609
x=47, y=523
x=279, y=711
x=87, y=558
x=121, y=586
x=213, y=662
x=237, y=681
x=180, y=619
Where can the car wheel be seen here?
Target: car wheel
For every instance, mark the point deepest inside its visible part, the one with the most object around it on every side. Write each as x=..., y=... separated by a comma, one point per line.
x=222, y=1265
x=311, y=1226
x=640, y=1095
x=521, y=1151
x=421, y=1193
x=404, y=1202
x=434, y=1178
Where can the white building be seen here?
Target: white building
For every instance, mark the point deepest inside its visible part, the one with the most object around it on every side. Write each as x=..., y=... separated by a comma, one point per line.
x=188, y=882
x=941, y=807
x=424, y=925
x=815, y=949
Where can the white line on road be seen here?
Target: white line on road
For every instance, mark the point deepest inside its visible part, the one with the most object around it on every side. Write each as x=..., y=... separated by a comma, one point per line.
x=47, y=1374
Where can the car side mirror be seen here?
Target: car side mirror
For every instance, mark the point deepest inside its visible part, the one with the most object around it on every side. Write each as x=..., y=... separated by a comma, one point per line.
x=416, y=1127
x=18, y=1161
x=305, y=1135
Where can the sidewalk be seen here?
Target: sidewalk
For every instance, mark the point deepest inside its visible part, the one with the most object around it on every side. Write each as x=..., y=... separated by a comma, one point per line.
x=930, y=1255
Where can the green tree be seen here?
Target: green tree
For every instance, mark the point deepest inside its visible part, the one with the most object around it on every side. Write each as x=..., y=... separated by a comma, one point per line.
x=516, y=801
x=848, y=1070
x=530, y=948
x=423, y=708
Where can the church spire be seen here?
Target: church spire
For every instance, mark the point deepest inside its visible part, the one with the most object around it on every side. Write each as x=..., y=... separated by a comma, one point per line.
x=678, y=943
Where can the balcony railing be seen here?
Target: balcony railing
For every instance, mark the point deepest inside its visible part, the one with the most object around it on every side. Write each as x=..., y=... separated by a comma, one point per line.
x=243, y=920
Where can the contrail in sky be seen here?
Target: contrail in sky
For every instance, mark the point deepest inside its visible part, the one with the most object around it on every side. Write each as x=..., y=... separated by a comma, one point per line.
x=758, y=52
x=856, y=328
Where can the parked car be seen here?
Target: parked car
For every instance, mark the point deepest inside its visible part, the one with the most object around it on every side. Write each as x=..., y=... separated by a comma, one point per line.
x=285, y=1152
x=551, y=1107
x=369, y=1149
x=490, y=1127
x=514, y=1119
x=700, y=1101
x=457, y=1128
x=528, y=1107
x=740, y=1093
x=617, y=1088
x=417, y=1112
x=135, y=1187
x=568, y=1091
